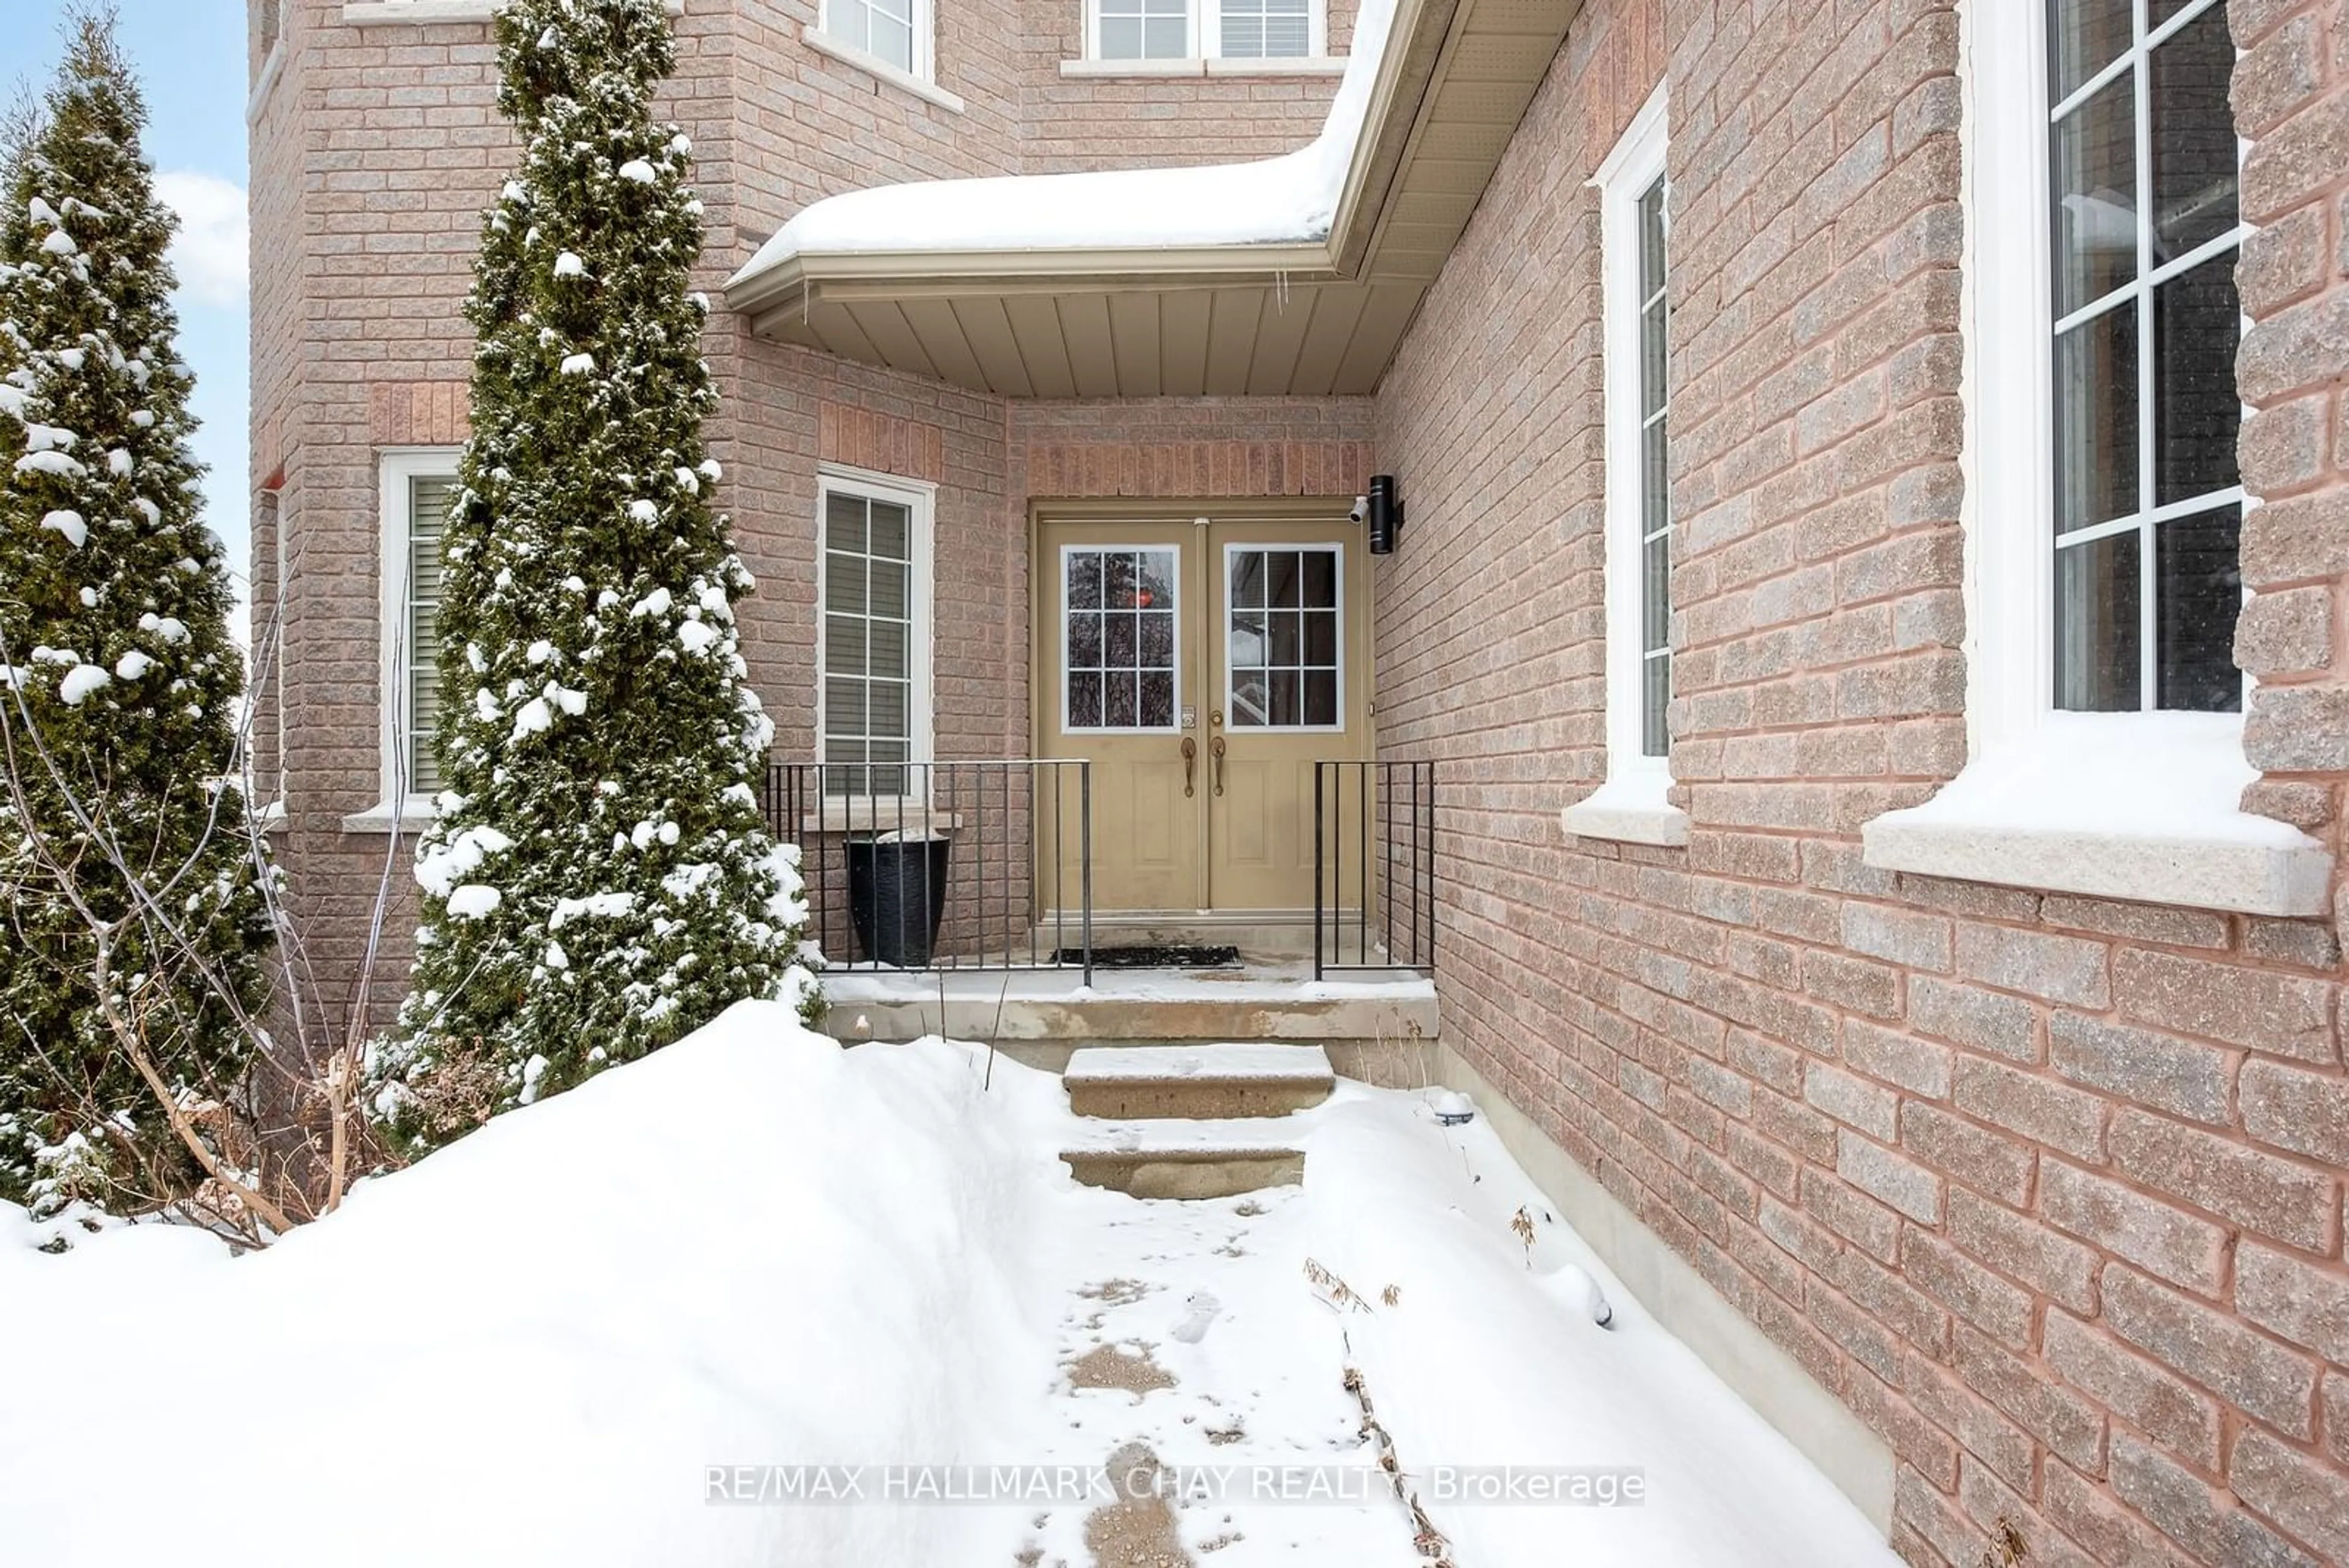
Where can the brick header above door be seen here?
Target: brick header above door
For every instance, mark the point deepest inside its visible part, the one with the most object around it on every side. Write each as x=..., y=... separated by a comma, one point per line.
x=1232, y=468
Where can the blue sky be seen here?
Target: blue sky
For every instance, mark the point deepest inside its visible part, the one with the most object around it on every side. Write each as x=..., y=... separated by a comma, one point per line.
x=190, y=57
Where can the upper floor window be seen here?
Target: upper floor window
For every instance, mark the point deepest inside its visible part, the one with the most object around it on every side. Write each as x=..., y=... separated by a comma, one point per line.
x=2143, y=230
x=1207, y=29
x=895, y=32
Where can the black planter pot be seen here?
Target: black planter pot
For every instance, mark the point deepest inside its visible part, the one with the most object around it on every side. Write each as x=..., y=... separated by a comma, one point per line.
x=897, y=898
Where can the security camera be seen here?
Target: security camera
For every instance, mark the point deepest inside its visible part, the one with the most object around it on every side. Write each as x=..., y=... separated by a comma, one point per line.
x=1362, y=509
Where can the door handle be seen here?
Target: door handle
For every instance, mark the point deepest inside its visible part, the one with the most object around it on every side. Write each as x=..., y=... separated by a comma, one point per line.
x=1190, y=766
x=1216, y=756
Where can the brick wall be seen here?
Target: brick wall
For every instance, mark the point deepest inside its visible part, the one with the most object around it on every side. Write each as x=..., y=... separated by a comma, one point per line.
x=372, y=157
x=2291, y=95
x=2048, y=1189
x=1118, y=122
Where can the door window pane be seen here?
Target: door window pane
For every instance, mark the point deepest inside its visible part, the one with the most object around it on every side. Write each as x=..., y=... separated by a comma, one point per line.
x=1283, y=658
x=2146, y=506
x=1119, y=640
x=1321, y=697
x=1084, y=700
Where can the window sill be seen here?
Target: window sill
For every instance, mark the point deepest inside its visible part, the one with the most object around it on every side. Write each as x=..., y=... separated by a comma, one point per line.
x=880, y=70
x=1310, y=66
x=2136, y=806
x=413, y=815
x=415, y=13
x=272, y=68
x=886, y=814
x=1629, y=810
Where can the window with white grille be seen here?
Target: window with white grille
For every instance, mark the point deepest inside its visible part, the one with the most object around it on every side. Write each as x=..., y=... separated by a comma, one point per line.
x=1205, y=29
x=873, y=658
x=895, y=32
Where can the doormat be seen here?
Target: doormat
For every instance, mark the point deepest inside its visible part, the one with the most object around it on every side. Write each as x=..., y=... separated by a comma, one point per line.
x=1153, y=958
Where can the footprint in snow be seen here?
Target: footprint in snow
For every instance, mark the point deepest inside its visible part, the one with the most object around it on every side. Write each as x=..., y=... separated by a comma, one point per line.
x=1199, y=1317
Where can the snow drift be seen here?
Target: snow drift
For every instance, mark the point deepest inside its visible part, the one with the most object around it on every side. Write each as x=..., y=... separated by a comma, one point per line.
x=1490, y=1358
x=751, y=1248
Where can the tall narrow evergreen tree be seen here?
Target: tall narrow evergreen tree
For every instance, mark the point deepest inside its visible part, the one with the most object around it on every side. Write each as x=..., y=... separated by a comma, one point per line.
x=598, y=879
x=114, y=603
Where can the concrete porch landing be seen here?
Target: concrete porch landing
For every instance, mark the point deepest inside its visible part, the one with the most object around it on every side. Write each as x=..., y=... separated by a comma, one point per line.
x=1377, y=1027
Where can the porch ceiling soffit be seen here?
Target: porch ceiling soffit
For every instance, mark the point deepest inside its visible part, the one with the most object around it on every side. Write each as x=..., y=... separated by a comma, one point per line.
x=1310, y=318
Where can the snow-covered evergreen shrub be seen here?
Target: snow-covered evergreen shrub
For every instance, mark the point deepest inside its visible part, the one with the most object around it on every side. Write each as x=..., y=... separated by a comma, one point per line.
x=599, y=880
x=114, y=603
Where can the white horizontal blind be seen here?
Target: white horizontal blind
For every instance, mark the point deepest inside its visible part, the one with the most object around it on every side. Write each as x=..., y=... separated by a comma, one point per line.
x=1266, y=29
x=427, y=511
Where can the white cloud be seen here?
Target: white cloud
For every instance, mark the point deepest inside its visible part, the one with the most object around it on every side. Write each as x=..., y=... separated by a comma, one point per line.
x=210, y=252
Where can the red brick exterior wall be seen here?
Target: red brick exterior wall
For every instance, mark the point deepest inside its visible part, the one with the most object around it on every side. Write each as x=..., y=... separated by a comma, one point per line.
x=2047, y=1188
x=375, y=150
x=2292, y=96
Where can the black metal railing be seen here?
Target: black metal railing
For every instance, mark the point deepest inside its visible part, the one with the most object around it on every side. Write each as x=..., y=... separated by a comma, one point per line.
x=943, y=866
x=1373, y=866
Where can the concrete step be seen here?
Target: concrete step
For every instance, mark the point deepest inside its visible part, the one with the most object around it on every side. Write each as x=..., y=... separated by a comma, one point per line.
x=1041, y=1017
x=1205, y=1159
x=1206, y=1081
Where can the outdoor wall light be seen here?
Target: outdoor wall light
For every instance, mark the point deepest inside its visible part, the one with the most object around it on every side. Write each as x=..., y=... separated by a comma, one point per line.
x=1385, y=515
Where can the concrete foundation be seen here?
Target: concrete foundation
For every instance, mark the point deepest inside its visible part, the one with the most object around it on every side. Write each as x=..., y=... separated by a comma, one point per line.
x=1859, y=1462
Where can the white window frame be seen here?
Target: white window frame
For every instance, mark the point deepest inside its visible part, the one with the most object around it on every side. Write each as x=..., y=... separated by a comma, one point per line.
x=919, y=497
x=2011, y=532
x=1224, y=608
x=396, y=469
x=2142, y=806
x=1204, y=28
x=1632, y=803
x=1175, y=726
x=925, y=22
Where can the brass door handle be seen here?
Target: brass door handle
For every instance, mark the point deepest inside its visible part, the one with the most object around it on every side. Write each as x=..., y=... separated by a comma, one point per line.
x=1215, y=752
x=1190, y=766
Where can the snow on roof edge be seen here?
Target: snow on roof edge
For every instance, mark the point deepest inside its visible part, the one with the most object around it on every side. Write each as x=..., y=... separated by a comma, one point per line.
x=1289, y=200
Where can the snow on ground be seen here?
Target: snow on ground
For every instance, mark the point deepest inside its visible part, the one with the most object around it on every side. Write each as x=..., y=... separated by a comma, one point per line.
x=756, y=1249
x=750, y=1248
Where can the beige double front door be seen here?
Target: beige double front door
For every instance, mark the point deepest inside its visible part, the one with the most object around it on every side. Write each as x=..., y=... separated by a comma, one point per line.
x=1204, y=667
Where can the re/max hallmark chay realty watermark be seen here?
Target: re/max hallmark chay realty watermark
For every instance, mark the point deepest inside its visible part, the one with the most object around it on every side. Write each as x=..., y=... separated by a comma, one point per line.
x=1571, y=1486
